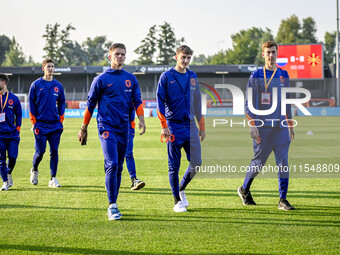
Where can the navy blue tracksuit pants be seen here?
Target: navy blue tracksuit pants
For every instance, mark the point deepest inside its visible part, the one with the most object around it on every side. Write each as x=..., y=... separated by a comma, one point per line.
x=185, y=135
x=114, y=143
x=130, y=161
x=271, y=139
x=44, y=133
x=8, y=144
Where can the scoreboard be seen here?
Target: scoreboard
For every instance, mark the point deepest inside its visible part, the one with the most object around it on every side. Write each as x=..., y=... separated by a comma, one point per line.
x=301, y=61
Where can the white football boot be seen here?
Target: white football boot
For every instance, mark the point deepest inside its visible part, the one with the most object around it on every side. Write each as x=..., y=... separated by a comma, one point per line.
x=113, y=212
x=10, y=180
x=54, y=183
x=183, y=198
x=34, y=177
x=179, y=207
x=5, y=186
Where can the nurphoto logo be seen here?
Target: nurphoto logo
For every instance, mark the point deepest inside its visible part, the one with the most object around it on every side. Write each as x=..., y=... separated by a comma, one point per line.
x=238, y=102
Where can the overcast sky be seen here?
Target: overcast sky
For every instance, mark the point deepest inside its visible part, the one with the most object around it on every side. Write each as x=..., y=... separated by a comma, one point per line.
x=206, y=25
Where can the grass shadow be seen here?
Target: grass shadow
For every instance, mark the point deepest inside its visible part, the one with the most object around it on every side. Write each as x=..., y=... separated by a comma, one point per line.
x=47, y=207
x=73, y=250
x=191, y=218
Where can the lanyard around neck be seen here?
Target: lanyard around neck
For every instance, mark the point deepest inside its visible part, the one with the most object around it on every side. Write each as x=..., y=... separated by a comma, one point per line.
x=266, y=85
x=3, y=107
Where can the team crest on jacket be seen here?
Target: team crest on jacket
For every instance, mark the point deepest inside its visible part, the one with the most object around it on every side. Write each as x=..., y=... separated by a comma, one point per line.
x=10, y=102
x=105, y=134
x=128, y=83
x=56, y=90
x=282, y=79
x=193, y=81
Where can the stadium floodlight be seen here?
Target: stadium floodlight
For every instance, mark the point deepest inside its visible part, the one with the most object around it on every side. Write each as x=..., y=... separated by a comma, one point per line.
x=221, y=72
x=138, y=73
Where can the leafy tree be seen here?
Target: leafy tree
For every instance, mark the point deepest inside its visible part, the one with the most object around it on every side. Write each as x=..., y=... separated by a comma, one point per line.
x=147, y=50
x=96, y=49
x=60, y=48
x=52, y=40
x=217, y=59
x=289, y=31
x=246, y=45
x=167, y=44
x=103, y=62
x=266, y=36
x=70, y=52
x=161, y=41
x=308, y=31
x=199, y=60
x=5, y=42
x=246, y=48
x=31, y=62
x=64, y=51
x=73, y=54
x=15, y=56
x=330, y=43
x=65, y=46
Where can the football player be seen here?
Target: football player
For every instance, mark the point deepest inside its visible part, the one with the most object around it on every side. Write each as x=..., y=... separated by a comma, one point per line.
x=10, y=123
x=178, y=103
x=47, y=111
x=113, y=91
x=268, y=135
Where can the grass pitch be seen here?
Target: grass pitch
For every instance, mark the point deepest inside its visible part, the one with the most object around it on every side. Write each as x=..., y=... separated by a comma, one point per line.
x=73, y=220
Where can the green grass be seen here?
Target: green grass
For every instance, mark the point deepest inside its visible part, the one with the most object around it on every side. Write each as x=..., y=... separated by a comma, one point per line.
x=73, y=220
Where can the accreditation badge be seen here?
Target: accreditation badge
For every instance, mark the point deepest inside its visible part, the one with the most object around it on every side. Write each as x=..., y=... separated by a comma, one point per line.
x=265, y=98
x=2, y=117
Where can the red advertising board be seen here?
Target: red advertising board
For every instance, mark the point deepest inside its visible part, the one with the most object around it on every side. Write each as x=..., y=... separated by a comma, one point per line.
x=301, y=61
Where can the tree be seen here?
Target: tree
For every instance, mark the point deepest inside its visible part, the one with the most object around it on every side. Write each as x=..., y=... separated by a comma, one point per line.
x=266, y=36
x=330, y=43
x=70, y=52
x=167, y=44
x=5, y=42
x=60, y=48
x=246, y=48
x=161, y=41
x=308, y=31
x=30, y=62
x=246, y=45
x=96, y=49
x=147, y=50
x=15, y=56
x=52, y=38
x=199, y=60
x=64, y=51
x=65, y=47
x=289, y=31
x=217, y=59
x=73, y=54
